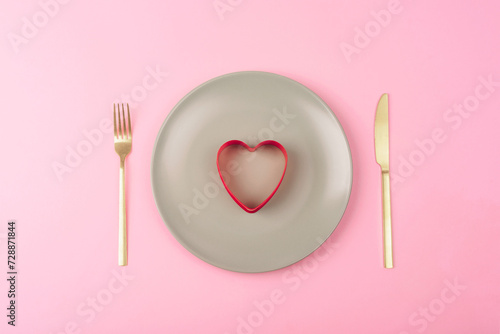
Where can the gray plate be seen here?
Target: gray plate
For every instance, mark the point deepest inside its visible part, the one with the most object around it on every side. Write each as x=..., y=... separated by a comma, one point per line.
x=252, y=107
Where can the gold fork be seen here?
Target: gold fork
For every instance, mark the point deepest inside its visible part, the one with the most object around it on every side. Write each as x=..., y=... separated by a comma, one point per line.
x=123, y=146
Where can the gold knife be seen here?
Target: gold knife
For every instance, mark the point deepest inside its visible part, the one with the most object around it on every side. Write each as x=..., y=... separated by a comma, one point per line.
x=382, y=156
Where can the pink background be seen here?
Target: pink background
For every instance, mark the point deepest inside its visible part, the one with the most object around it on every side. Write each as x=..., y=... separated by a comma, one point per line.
x=429, y=56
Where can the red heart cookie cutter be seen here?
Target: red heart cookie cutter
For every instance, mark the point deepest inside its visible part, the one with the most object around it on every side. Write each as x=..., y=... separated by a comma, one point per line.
x=251, y=149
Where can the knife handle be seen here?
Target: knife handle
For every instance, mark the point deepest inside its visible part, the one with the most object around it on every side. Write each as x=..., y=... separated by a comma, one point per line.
x=386, y=212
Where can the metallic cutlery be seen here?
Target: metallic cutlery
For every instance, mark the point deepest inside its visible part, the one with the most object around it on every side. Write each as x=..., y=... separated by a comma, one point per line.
x=382, y=156
x=123, y=146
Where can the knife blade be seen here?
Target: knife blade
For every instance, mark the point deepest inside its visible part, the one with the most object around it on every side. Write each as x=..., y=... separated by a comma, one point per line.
x=382, y=157
x=382, y=133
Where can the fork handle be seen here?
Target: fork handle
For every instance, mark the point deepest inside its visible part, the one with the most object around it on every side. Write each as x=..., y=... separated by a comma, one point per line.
x=386, y=211
x=122, y=219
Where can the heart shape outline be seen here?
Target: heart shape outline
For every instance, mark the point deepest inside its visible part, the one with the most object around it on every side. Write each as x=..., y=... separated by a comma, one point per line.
x=251, y=149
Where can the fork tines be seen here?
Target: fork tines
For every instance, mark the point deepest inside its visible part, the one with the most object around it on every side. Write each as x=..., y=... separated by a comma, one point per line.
x=122, y=134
